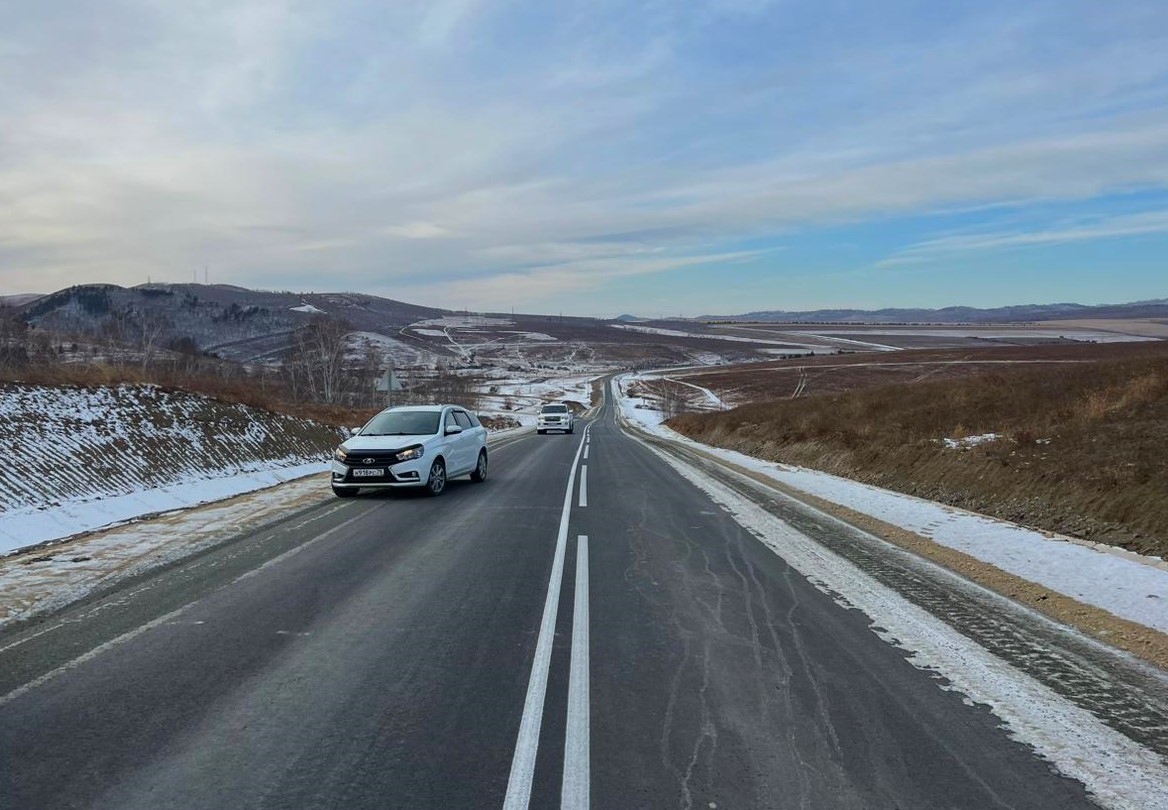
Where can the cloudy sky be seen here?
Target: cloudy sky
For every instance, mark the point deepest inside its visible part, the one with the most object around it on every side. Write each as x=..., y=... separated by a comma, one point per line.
x=592, y=157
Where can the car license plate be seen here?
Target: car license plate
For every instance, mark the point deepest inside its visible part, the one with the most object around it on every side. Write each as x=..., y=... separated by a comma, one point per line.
x=368, y=473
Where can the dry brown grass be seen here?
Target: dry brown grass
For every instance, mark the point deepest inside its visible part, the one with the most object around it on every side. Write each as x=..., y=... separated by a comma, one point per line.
x=826, y=374
x=265, y=393
x=1084, y=447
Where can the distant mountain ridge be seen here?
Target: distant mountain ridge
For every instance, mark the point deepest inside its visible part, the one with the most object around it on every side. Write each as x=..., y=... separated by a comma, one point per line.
x=1024, y=313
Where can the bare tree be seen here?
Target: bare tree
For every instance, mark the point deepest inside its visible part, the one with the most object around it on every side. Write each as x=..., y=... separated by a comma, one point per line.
x=152, y=327
x=13, y=338
x=315, y=365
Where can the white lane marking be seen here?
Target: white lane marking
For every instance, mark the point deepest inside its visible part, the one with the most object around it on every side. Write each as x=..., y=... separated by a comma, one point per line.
x=585, y=452
x=583, y=484
x=168, y=617
x=577, y=778
x=527, y=744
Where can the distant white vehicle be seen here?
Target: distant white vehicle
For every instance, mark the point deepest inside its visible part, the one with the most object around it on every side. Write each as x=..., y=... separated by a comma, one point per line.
x=415, y=446
x=556, y=416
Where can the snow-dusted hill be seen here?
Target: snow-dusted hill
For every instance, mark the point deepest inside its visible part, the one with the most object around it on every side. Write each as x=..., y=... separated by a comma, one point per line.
x=80, y=458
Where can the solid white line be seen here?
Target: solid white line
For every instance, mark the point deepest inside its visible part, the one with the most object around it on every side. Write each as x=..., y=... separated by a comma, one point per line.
x=577, y=779
x=523, y=763
x=583, y=484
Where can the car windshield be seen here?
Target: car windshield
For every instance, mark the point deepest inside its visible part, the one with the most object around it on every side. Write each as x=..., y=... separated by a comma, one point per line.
x=555, y=409
x=402, y=423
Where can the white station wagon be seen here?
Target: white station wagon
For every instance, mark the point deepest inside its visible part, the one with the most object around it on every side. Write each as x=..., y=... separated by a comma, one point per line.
x=416, y=446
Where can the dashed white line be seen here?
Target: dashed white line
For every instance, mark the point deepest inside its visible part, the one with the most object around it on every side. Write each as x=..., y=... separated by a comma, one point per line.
x=583, y=485
x=577, y=779
x=527, y=744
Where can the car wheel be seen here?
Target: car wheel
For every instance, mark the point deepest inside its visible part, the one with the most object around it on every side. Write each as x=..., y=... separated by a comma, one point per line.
x=480, y=471
x=540, y=431
x=571, y=430
x=344, y=493
x=436, y=482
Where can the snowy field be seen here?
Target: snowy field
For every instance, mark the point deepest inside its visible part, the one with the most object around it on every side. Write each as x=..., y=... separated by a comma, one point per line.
x=653, y=330
x=389, y=351
x=520, y=397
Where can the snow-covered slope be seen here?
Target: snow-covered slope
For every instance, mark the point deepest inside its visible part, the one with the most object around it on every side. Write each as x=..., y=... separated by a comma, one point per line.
x=77, y=459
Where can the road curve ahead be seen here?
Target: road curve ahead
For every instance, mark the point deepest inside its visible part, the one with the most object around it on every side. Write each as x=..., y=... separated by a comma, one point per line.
x=585, y=629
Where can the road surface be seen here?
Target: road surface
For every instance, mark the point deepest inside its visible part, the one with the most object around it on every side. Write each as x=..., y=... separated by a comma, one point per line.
x=586, y=628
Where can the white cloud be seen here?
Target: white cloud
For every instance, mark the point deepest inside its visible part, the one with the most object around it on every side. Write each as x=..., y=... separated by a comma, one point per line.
x=1150, y=222
x=418, y=230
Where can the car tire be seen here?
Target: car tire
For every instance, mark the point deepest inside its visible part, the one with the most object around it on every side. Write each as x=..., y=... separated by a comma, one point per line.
x=540, y=431
x=344, y=492
x=436, y=480
x=571, y=430
x=480, y=471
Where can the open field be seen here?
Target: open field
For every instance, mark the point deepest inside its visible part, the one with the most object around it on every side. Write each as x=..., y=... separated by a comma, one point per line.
x=809, y=376
x=1157, y=328
x=1072, y=439
x=890, y=337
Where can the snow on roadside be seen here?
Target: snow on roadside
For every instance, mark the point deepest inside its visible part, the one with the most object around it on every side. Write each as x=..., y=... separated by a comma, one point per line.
x=80, y=458
x=1117, y=771
x=30, y=526
x=1122, y=583
x=86, y=564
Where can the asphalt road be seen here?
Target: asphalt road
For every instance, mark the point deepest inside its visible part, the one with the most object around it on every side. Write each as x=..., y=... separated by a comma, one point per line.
x=584, y=629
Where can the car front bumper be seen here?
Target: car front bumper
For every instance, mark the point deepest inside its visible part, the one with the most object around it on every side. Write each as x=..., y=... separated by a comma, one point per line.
x=402, y=474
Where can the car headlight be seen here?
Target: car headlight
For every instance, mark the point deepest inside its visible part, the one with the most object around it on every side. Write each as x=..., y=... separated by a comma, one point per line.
x=340, y=455
x=411, y=453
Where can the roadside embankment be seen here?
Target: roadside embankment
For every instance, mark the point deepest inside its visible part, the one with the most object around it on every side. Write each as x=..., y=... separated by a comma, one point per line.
x=1079, y=449
x=80, y=458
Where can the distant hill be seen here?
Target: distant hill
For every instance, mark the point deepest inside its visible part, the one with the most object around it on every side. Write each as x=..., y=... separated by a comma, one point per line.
x=1025, y=313
x=19, y=299
x=234, y=322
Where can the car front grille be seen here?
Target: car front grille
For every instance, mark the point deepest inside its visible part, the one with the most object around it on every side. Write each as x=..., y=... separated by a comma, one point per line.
x=371, y=458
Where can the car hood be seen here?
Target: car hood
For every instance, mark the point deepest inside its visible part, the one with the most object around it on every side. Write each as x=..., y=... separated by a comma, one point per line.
x=357, y=443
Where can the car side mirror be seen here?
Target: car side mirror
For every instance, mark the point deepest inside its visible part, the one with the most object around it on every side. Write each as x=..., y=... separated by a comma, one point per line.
x=453, y=429
x=355, y=431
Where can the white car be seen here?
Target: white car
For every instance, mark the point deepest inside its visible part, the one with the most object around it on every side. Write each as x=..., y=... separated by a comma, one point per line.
x=417, y=446
x=555, y=416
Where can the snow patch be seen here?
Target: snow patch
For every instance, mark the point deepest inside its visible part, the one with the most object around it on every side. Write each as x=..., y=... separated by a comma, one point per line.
x=971, y=441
